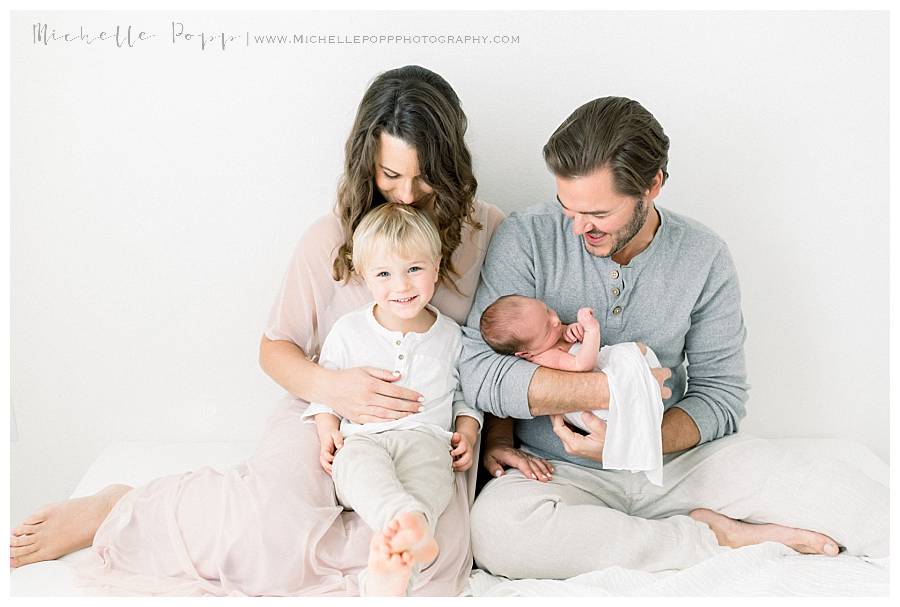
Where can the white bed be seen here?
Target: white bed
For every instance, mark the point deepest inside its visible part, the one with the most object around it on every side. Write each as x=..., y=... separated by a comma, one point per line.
x=767, y=569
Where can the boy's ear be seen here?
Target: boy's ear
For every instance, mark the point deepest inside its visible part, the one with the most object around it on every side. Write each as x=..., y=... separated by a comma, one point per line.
x=522, y=354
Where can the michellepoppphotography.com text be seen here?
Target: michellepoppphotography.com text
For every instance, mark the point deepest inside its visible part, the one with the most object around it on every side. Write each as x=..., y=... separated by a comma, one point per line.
x=177, y=33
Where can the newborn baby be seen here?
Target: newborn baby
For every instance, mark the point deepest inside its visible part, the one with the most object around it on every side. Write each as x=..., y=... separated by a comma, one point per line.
x=528, y=328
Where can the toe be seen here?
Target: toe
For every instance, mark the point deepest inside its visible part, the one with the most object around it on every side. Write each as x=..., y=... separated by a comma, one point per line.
x=38, y=516
x=379, y=544
x=23, y=551
x=824, y=545
x=24, y=529
x=810, y=542
x=27, y=559
x=22, y=540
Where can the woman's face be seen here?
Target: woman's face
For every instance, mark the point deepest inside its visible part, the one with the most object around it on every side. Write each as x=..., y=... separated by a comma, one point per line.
x=397, y=174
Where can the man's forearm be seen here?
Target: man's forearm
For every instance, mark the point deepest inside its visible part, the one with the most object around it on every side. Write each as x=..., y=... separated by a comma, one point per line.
x=679, y=432
x=552, y=391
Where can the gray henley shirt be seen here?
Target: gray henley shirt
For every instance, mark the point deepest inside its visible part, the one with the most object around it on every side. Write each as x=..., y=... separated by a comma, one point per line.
x=680, y=296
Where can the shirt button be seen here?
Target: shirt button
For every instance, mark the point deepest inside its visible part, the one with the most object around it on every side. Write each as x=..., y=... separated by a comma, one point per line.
x=614, y=274
x=617, y=310
x=397, y=343
x=616, y=291
x=400, y=357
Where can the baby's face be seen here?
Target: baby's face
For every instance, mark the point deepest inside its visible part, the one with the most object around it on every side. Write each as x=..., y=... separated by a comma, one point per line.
x=543, y=324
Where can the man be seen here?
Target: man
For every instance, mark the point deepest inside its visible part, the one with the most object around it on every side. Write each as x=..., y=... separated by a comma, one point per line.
x=656, y=277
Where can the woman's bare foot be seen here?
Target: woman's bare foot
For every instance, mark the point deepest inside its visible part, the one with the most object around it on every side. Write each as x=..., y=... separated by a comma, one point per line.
x=388, y=572
x=409, y=532
x=61, y=528
x=734, y=534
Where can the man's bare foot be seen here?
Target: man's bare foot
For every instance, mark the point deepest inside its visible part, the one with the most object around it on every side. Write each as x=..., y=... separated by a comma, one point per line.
x=388, y=572
x=734, y=534
x=61, y=528
x=409, y=532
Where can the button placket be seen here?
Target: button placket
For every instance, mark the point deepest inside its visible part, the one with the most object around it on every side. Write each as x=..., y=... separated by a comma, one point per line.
x=401, y=357
x=616, y=289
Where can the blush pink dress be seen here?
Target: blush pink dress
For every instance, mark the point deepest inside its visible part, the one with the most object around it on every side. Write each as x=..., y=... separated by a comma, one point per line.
x=272, y=525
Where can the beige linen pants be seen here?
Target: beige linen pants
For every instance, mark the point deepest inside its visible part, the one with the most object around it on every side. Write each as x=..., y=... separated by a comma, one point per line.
x=386, y=474
x=585, y=519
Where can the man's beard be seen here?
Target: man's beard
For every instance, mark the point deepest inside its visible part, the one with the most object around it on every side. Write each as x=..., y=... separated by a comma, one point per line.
x=623, y=236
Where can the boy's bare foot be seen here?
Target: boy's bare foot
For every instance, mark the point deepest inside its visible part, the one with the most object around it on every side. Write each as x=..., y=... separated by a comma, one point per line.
x=388, y=573
x=409, y=532
x=61, y=528
x=734, y=534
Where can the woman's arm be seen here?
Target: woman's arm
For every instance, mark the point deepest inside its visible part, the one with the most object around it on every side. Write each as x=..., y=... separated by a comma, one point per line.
x=287, y=364
x=361, y=394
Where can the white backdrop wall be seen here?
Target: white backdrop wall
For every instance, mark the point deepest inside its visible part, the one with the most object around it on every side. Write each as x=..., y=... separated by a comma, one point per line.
x=158, y=190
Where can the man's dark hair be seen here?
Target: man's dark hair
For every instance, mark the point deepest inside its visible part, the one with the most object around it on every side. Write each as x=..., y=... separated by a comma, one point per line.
x=612, y=132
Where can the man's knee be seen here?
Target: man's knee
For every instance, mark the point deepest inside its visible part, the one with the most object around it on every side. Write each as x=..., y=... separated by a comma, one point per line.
x=499, y=520
x=494, y=527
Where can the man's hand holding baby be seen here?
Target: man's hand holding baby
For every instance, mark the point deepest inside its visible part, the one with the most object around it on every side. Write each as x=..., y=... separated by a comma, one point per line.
x=590, y=445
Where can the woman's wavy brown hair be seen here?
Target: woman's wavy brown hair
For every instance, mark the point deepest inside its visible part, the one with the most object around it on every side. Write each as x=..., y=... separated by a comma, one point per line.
x=421, y=108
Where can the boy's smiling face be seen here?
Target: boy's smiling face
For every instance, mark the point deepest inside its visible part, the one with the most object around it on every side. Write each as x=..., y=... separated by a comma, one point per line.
x=401, y=284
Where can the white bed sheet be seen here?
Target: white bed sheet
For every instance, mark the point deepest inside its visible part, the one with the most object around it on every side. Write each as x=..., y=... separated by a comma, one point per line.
x=768, y=569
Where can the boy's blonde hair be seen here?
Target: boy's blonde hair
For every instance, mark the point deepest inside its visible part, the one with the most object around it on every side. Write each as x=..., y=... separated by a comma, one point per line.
x=396, y=228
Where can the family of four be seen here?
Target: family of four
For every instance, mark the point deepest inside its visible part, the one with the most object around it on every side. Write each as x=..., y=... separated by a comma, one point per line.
x=364, y=481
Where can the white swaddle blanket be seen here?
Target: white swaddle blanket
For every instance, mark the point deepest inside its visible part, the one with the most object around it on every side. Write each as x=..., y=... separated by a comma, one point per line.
x=634, y=419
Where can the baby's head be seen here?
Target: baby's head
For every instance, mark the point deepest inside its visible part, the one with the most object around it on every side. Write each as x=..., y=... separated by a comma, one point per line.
x=397, y=251
x=520, y=325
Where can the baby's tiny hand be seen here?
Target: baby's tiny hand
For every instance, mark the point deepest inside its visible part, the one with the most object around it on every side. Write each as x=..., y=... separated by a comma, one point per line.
x=586, y=319
x=462, y=451
x=574, y=333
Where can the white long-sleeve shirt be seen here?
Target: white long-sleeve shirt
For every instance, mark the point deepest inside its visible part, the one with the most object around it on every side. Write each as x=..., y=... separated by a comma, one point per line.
x=426, y=362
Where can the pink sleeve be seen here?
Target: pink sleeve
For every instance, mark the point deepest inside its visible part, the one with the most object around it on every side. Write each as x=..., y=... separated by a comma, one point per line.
x=307, y=287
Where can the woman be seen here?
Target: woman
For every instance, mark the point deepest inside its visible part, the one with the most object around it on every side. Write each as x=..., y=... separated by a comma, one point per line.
x=271, y=526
